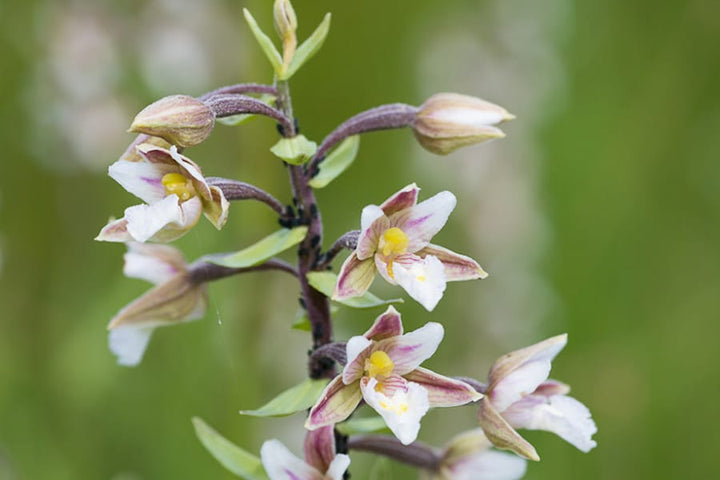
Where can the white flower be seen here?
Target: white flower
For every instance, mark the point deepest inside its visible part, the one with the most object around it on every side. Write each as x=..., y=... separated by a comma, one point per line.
x=321, y=461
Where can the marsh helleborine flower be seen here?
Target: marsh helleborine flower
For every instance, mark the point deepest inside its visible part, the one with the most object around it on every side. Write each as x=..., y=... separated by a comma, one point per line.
x=181, y=120
x=469, y=456
x=519, y=395
x=448, y=121
x=176, y=194
x=321, y=461
x=395, y=242
x=174, y=299
x=383, y=368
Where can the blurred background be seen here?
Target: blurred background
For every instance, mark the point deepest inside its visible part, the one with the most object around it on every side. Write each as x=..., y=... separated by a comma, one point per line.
x=598, y=215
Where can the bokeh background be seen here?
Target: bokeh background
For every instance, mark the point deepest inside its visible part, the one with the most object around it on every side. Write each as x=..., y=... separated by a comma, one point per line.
x=598, y=215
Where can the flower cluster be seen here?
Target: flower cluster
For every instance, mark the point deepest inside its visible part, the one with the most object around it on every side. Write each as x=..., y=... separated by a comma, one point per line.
x=382, y=368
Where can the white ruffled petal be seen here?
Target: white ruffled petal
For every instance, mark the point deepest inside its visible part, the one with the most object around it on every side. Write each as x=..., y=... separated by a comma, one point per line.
x=422, y=278
x=402, y=410
x=129, y=342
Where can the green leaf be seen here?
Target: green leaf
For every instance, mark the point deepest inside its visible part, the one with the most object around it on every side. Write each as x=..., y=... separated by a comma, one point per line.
x=308, y=48
x=232, y=457
x=295, y=151
x=336, y=162
x=242, y=118
x=298, y=398
x=324, y=282
x=264, y=249
x=265, y=43
x=359, y=426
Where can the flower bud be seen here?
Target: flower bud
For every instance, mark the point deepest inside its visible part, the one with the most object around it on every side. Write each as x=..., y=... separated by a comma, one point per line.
x=180, y=119
x=448, y=121
x=286, y=25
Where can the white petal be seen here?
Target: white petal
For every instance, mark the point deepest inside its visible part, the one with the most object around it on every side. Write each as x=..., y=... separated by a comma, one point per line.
x=372, y=224
x=281, y=464
x=154, y=263
x=142, y=179
x=401, y=411
x=408, y=351
x=129, y=342
x=527, y=369
x=421, y=222
x=488, y=465
x=423, y=279
x=338, y=466
x=560, y=414
x=369, y=215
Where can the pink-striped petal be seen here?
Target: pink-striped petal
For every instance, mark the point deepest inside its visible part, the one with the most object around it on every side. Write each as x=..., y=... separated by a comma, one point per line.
x=320, y=448
x=421, y=222
x=457, y=267
x=519, y=373
x=408, y=351
x=357, y=351
x=355, y=277
x=372, y=224
x=336, y=403
x=381, y=267
x=405, y=198
x=115, y=231
x=386, y=325
x=443, y=391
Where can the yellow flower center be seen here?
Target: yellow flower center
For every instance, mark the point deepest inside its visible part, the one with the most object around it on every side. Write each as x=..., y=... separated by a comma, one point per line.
x=179, y=185
x=379, y=365
x=392, y=243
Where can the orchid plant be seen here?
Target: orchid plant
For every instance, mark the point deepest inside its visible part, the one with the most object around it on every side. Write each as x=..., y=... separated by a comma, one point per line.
x=380, y=369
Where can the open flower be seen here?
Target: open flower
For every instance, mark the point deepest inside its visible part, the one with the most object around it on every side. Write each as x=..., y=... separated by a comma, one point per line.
x=383, y=368
x=395, y=242
x=519, y=395
x=321, y=462
x=176, y=194
x=468, y=456
x=175, y=298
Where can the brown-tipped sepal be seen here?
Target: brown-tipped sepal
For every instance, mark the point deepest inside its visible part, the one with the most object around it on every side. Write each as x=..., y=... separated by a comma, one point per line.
x=180, y=119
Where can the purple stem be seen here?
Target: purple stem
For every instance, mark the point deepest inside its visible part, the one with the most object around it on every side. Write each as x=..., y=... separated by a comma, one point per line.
x=202, y=271
x=476, y=384
x=241, y=88
x=416, y=454
x=394, y=115
x=336, y=351
x=236, y=190
x=347, y=241
x=227, y=105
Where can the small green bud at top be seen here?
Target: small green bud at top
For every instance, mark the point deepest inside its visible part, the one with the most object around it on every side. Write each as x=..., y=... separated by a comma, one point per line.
x=180, y=119
x=286, y=25
x=448, y=121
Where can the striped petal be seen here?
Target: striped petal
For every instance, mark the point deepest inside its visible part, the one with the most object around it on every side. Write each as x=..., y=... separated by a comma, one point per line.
x=405, y=198
x=457, y=267
x=320, y=448
x=355, y=277
x=373, y=223
x=443, y=391
x=408, y=351
x=336, y=403
x=386, y=325
x=421, y=222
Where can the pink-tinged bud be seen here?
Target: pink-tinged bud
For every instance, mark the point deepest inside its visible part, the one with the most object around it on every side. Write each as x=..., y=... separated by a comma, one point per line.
x=180, y=119
x=448, y=121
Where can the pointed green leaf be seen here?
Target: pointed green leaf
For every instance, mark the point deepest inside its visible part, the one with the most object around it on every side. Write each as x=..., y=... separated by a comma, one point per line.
x=336, y=162
x=265, y=43
x=324, y=282
x=298, y=398
x=266, y=248
x=308, y=48
x=360, y=426
x=242, y=118
x=232, y=457
x=295, y=151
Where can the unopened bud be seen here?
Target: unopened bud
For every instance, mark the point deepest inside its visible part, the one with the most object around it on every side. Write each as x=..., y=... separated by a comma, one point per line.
x=180, y=119
x=448, y=121
x=286, y=25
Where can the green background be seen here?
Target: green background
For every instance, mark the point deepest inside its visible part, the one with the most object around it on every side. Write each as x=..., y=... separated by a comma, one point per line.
x=606, y=193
